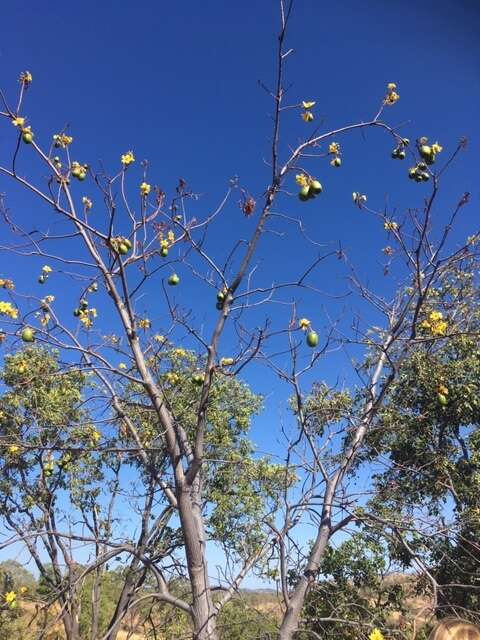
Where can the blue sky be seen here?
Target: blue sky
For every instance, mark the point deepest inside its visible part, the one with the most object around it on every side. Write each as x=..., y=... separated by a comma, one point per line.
x=178, y=84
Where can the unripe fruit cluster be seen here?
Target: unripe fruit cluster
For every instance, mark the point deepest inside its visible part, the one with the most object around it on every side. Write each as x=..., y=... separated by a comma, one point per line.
x=419, y=172
x=120, y=245
x=310, y=190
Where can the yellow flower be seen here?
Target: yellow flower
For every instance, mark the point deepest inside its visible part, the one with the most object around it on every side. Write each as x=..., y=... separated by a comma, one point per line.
x=62, y=140
x=334, y=148
x=173, y=378
x=23, y=589
x=122, y=365
x=95, y=436
x=181, y=353
x=13, y=449
x=93, y=312
x=443, y=389
x=425, y=324
x=226, y=362
x=145, y=188
x=48, y=299
x=304, y=323
x=159, y=338
x=144, y=323
x=171, y=236
x=45, y=319
x=435, y=315
x=6, y=284
x=440, y=328
x=391, y=86
x=308, y=104
x=376, y=635
x=436, y=148
x=87, y=203
x=127, y=158
x=10, y=597
x=18, y=122
x=392, y=97
x=307, y=116
x=388, y=225
x=25, y=77
x=47, y=269
x=301, y=179
x=7, y=309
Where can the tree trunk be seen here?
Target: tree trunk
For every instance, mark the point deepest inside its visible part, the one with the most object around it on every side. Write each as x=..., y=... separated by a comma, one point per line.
x=203, y=610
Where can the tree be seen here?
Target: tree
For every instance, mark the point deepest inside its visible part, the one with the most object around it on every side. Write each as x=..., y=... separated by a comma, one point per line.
x=172, y=405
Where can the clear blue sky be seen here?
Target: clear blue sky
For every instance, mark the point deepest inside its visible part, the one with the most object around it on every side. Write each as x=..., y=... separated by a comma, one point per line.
x=177, y=83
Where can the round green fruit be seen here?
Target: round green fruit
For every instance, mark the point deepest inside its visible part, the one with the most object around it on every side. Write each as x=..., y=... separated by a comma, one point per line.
x=315, y=185
x=312, y=339
x=442, y=399
x=412, y=173
x=76, y=171
x=28, y=335
x=123, y=249
x=336, y=162
x=198, y=379
x=425, y=150
x=83, y=304
x=401, y=154
x=164, y=252
x=82, y=175
x=304, y=193
x=77, y=313
x=173, y=280
x=220, y=296
x=41, y=279
x=395, y=154
x=27, y=137
x=127, y=243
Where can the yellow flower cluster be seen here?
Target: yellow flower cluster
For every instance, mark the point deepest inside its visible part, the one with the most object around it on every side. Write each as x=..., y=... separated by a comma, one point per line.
x=159, y=338
x=13, y=449
x=18, y=122
x=47, y=269
x=61, y=140
x=25, y=78
x=7, y=309
x=376, y=635
x=122, y=366
x=11, y=599
x=87, y=203
x=435, y=324
x=307, y=115
x=392, y=96
x=389, y=225
x=334, y=148
x=302, y=180
x=144, y=323
x=86, y=317
x=226, y=362
x=304, y=323
x=6, y=284
x=172, y=378
x=145, y=189
x=181, y=353
x=127, y=158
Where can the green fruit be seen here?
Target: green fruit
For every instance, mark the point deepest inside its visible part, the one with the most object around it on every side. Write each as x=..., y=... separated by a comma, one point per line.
x=312, y=339
x=418, y=177
x=82, y=175
x=304, y=193
x=127, y=243
x=315, y=185
x=83, y=304
x=76, y=313
x=401, y=154
x=173, y=280
x=412, y=173
x=406, y=141
x=422, y=166
x=336, y=162
x=76, y=171
x=94, y=286
x=198, y=379
x=220, y=296
x=395, y=154
x=28, y=335
x=425, y=176
x=164, y=252
x=27, y=137
x=41, y=279
x=123, y=249
x=442, y=399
